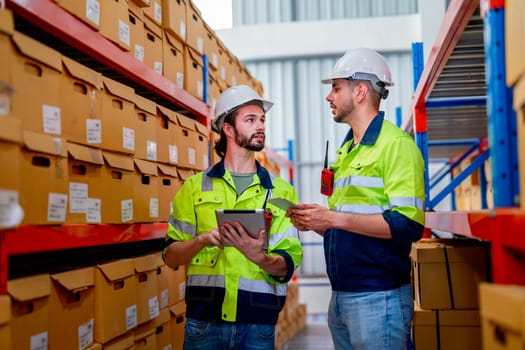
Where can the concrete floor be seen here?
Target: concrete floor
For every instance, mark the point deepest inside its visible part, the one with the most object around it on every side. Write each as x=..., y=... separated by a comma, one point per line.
x=313, y=336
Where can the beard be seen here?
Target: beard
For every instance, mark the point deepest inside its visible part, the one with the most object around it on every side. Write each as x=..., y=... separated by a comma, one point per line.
x=248, y=142
x=346, y=110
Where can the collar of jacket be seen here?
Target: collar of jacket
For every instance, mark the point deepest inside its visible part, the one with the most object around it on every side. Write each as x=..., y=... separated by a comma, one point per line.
x=372, y=132
x=218, y=171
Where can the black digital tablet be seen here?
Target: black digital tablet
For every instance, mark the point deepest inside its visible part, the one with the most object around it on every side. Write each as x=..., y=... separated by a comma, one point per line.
x=251, y=219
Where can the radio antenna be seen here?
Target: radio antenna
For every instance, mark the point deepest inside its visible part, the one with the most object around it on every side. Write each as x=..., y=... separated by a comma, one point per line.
x=326, y=156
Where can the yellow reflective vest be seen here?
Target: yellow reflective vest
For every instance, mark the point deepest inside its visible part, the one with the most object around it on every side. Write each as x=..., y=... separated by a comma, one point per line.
x=222, y=284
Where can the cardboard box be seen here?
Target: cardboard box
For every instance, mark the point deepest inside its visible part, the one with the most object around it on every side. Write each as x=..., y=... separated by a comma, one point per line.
x=118, y=176
x=187, y=141
x=36, y=70
x=202, y=145
x=514, y=40
x=169, y=185
x=173, y=59
x=211, y=47
x=177, y=323
x=87, y=11
x=146, y=281
x=10, y=157
x=184, y=174
x=174, y=18
x=136, y=32
x=146, y=191
x=447, y=272
x=80, y=103
x=7, y=28
x=124, y=342
x=214, y=92
x=146, y=133
x=154, y=12
x=502, y=309
x=176, y=285
x=195, y=28
x=162, y=282
x=5, y=322
x=115, y=300
x=153, y=45
x=71, y=306
x=145, y=337
x=86, y=190
x=166, y=122
x=114, y=22
x=118, y=122
x=223, y=62
x=446, y=329
x=29, y=311
x=193, y=81
x=43, y=179
x=163, y=330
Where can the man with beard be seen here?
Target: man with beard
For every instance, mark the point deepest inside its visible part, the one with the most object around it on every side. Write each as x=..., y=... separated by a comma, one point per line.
x=235, y=286
x=376, y=211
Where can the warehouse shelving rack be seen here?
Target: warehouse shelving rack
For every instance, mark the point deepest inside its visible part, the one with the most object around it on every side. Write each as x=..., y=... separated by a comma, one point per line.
x=461, y=95
x=47, y=20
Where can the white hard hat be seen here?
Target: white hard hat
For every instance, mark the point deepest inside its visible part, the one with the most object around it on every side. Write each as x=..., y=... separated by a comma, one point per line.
x=231, y=99
x=363, y=64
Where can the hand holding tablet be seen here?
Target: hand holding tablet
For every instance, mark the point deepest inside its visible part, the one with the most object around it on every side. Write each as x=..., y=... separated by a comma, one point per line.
x=282, y=203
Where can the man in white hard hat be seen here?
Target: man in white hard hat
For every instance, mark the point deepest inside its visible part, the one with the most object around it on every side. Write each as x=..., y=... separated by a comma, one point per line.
x=235, y=286
x=376, y=211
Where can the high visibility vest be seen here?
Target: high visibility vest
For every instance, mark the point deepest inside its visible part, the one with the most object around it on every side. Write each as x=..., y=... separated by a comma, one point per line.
x=222, y=284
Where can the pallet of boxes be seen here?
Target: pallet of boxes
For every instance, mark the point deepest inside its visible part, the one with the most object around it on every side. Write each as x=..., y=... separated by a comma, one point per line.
x=292, y=317
x=446, y=277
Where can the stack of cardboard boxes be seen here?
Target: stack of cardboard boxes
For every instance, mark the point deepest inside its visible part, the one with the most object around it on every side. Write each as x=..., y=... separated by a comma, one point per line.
x=446, y=277
x=129, y=303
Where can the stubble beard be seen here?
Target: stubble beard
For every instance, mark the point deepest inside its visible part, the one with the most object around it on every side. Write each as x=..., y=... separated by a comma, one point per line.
x=248, y=143
x=345, y=111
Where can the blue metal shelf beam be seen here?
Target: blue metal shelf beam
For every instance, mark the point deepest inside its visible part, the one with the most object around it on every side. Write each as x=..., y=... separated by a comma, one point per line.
x=476, y=101
x=501, y=116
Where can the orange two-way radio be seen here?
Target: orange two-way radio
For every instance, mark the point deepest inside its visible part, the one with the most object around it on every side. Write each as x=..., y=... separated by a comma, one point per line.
x=327, y=176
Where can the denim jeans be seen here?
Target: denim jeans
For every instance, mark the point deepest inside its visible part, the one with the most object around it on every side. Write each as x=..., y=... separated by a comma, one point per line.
x=371, y=320
x=202, y=335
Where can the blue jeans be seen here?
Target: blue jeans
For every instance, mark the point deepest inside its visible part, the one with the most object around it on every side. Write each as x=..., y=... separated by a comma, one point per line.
x=371, y=320
x=202, y=335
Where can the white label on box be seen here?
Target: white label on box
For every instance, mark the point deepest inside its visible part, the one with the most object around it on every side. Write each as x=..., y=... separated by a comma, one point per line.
x=157, y=67
x=51, y=116
x=5, y=104
x=93, y=211
x=173, y=154
x=131, y=317
x=151, y=150
x=85, y=334
x=200, y=88
x=11, y=214
x=93, y=131
x=153, y=304
x=180, y=80
x=128, y=138
x=214, y=59
x=223, y=73
x=38, y=341
x=93, y=11
x=205, y=161
x=153, y=207
x=167, y=347
x=78, y=195
x=183, y=30
x=157, y=12
x=191, y=156
x=200, y=44
x=182, y=289
x=123, y=32
x=126, y=210
x=164, y=298
x=139, y=52
x=56, y=207
x=234, y=80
